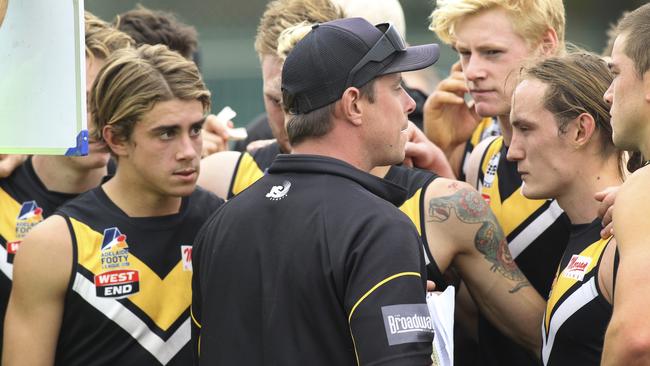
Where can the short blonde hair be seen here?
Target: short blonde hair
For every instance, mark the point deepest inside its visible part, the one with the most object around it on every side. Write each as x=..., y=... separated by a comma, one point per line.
x=530, y=18
x=375, y=12
x=102, y=39
x=290, y=36
x=134, y=80
x=282, y=14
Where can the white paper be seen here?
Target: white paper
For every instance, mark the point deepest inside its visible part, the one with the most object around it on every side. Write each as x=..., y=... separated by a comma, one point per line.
x=234, y=134
x=441, y=306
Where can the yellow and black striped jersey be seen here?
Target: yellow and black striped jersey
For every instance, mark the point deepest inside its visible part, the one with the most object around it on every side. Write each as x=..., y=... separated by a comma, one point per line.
x=577, y=314
x=537, y=232
x=487, y=127
x=129, y=295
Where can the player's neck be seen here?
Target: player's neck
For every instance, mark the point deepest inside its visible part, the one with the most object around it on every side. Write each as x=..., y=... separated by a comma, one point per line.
x=60, y=174
x=137, y=198
x=380, y=171
x=335, y=145
x=578, y=200
x=506, y=129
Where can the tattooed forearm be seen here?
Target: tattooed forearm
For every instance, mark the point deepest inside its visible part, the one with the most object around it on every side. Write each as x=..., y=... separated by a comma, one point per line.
x=489, y=240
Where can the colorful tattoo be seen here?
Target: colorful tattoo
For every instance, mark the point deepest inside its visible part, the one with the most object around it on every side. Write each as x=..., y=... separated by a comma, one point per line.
x=470, y=208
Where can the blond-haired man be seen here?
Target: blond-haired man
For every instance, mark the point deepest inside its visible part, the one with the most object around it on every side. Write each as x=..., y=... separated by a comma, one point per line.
x=521, y=31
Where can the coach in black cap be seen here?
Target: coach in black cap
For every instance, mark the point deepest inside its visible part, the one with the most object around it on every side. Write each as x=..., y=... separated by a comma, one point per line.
x=313, y=264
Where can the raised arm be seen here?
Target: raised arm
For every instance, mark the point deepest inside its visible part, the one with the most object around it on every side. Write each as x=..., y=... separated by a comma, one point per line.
x=460, y=225
x=627, y=341
x=448, y=120
x=41, y=276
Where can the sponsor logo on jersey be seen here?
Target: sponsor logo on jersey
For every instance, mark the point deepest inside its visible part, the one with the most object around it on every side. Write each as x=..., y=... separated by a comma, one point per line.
x=30, y=215
x=577, y=267
x=117, y=284
x=491, y=171
x=186, y=257
x=407, y=323
x=114, y=249
x=12, y=249
x=279, y=192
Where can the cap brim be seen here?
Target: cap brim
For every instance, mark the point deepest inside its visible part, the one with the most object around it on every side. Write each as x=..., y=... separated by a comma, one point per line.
x=414, y=58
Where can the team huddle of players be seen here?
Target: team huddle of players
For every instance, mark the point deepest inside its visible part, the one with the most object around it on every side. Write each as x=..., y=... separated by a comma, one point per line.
x=376, y=187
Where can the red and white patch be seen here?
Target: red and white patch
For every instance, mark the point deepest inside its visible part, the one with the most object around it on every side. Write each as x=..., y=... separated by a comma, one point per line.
x=577, y=267
x=12, y=246
x=486, y=198
x=117, y=284
x=186, y=257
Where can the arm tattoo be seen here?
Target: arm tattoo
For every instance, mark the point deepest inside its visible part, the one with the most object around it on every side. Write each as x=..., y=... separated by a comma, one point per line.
x=470, y=208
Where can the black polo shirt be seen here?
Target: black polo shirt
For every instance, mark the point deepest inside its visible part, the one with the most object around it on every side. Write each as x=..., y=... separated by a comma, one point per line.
x=311, y=265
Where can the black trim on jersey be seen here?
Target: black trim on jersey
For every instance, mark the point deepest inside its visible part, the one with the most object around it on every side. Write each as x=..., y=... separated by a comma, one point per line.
x=75, y=254
x=617, y=259
x=265, y=156
x=234, y=176
x=507, y=171
x=601, y=296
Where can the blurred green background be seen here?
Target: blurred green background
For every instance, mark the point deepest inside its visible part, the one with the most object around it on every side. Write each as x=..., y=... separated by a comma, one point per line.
x=227, y=30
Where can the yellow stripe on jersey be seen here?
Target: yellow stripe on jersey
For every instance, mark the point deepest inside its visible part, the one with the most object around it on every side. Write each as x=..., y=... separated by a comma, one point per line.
x=515, y=209
x=248, y=172
x=562, y=284
x=163, y=300
x=8, y=216
x=381, y=283
x=483, y=125
x=411, y=208
x=378, y=285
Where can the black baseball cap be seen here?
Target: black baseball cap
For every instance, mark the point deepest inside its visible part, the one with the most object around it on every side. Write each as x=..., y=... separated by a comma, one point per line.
x=343, y=53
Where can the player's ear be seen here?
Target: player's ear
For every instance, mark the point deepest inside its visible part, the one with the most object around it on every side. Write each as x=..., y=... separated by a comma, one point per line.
x=585, y=128
x=116, y=143
x=349, y=106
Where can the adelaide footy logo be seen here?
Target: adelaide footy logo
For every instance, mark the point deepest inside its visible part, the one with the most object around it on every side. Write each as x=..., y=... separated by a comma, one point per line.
x=114, y=249
x=117, y=282
x=30, y=215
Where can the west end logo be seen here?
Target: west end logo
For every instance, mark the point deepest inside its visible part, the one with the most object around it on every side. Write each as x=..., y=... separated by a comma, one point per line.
x=115, y=250
x=30, y=215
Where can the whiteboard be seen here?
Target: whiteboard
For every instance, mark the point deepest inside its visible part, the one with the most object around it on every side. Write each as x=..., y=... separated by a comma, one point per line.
x=43, y=78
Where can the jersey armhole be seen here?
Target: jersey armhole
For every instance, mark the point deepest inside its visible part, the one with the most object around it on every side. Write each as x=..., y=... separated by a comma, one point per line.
x=73, y=242
x=231, y=186
x=433, y=271
x=474, y=172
